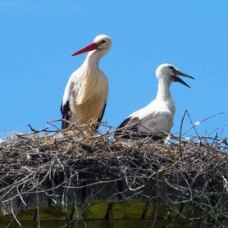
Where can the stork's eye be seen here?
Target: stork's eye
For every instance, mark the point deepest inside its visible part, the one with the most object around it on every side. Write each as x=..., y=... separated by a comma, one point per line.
x=171, y=68
x=103, y=41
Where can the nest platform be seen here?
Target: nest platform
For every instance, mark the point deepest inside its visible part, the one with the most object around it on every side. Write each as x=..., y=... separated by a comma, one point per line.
x=75, y=179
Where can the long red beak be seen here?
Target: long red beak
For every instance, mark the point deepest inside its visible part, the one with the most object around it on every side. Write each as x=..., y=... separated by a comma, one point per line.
x=89, y=47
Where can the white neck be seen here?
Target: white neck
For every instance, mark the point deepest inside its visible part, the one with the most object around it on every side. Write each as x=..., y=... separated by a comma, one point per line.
x=92, y=59
x=163, y=90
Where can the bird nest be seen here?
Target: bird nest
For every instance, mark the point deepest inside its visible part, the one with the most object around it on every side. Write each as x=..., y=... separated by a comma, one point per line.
x=72, y=168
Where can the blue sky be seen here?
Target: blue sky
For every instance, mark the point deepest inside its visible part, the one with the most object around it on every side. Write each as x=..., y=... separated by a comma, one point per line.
x=38, y=38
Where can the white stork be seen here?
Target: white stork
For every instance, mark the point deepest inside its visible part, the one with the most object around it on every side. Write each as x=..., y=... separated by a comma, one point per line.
x=156, y=119
x=86, y=92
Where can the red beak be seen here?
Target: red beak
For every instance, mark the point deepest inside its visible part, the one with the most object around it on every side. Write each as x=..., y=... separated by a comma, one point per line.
x=89, y=47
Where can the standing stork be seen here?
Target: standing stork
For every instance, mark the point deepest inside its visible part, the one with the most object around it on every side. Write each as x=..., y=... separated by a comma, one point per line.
x=86, y=92
x=156, y=119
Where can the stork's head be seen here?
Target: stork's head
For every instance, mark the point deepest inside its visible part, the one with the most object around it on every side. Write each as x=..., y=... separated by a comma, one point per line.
x=169, y=73
x=101, y=43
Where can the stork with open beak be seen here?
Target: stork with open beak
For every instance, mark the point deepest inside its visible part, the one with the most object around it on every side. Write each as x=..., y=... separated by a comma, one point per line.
x=156, y=119
x=86, y=92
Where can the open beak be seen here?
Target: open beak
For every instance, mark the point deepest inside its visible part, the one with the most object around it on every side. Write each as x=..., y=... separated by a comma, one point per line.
x=178, y=79
x=89, y=47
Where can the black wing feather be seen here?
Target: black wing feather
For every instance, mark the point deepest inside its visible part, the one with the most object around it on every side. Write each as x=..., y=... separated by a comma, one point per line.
x=65, y=110
x=130, y=125
x=128, y=130
x=124, y=123
x=101, y=117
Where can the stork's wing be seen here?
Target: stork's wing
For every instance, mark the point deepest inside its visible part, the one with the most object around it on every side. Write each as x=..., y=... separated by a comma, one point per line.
x=105, y=89
x=132, y=128
x=129, y=123
x=101, y=116
x=127, y=127
x=65, y=106
x=159, y=125
x=65, y=110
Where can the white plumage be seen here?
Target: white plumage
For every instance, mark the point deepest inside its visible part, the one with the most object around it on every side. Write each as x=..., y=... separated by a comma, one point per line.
x=86, y=92
x=156, y=119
